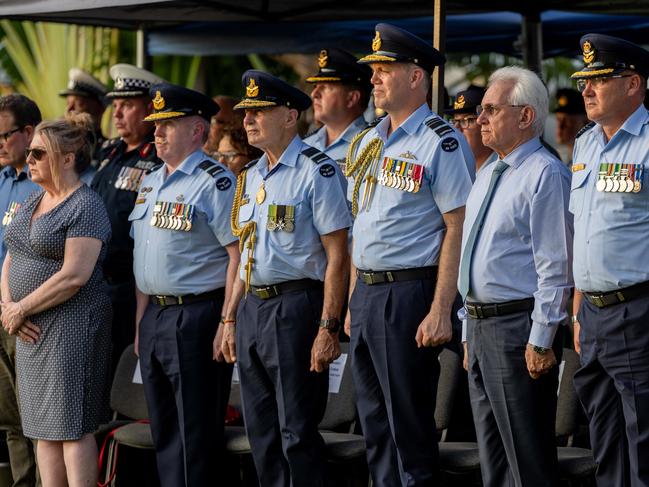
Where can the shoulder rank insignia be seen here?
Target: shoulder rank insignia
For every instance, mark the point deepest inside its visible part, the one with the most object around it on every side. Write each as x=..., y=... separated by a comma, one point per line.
x=315, y=155
x=439, y=126
x=585, y=129
x=223, y=183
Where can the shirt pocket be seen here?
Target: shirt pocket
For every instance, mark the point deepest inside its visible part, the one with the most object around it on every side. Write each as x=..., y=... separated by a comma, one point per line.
x=139, y=211
x=578, y=191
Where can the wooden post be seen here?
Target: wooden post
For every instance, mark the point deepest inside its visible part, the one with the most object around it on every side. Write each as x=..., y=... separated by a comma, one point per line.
x=439, y=43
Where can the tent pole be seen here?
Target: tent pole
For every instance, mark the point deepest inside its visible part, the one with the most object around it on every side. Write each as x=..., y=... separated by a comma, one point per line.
x=439, y=43
x=533, y=41
x=142, y=60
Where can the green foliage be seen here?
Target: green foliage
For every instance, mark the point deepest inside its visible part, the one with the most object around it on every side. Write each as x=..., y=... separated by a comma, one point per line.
x=556, y=71
x=37, y=56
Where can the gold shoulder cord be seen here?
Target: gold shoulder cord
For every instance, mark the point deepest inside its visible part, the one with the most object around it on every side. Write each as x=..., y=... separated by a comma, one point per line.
x=358, y=168
x=247, y=230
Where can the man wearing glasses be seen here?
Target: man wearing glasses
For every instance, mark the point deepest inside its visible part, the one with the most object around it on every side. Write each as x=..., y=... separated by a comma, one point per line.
x=515, y=279
x=18, y=117
x=610, y=204
x=465, y=120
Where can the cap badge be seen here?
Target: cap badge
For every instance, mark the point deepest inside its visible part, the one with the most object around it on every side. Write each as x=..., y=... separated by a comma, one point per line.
x=376, y=42
x=252, y=90
x=119, y=83
x=459, y=103
x=323, y=58
x=158, y=101
x=563, y=101
x=589, y=53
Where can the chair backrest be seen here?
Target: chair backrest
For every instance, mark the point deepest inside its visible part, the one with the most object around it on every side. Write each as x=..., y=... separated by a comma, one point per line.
x=568, y=406
x=447, y=386
x=341, y=406
x=127, y=397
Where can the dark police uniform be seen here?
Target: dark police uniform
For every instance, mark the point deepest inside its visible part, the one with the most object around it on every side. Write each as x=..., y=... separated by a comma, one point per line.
x=280, y=216
x=118, y=181
x=610, y=202
x=181, y=227
x=408, y=181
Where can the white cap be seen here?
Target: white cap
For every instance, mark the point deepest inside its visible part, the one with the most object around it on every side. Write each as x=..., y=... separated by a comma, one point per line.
x=131, y=81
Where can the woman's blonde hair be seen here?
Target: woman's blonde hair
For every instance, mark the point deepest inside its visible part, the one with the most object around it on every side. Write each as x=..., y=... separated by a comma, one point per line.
x=72, y=134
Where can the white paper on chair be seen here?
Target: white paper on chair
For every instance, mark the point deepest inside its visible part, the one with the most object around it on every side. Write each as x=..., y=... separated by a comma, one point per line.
x=137, y=375
x=336, y=369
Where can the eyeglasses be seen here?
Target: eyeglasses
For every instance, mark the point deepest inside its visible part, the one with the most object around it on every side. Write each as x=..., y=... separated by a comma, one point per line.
x=490, y=109
x=227, y=156
x=598, y=81
x=465, y=122
x=4, y=137
x=36, y=153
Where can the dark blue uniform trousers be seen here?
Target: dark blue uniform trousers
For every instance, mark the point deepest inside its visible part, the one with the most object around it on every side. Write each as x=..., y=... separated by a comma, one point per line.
x=396, y=382
x=282, y=401
x=613, y=386
x=186, y=391
x=514, y=415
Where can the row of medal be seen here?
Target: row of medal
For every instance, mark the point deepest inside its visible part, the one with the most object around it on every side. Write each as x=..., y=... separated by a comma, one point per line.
x=281, y=218
x=129, y=178
x=620, y=178
x=172, y=216
x=402, y=175
x=10, y=213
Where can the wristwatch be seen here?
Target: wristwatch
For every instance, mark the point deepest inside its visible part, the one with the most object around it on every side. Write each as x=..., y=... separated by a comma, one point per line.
x=540, y=350
x=332, y=325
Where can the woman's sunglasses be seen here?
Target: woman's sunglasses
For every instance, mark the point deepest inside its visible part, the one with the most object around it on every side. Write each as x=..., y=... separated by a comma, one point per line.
x=36, y=153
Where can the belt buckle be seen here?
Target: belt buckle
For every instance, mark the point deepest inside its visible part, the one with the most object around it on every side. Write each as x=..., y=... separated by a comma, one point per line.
x=472, y=309
x=162, y=300
x=263, y=292
x=598, y=300
x=367, y=278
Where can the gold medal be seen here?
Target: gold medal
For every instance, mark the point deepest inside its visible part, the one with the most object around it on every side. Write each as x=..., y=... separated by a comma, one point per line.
x=261, y=194
x=637, y=186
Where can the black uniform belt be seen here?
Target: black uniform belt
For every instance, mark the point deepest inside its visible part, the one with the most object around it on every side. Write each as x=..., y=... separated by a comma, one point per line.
x=609, y=298
x=272, y=290
x=480, y=311
x=186, y=299
x=379, y=277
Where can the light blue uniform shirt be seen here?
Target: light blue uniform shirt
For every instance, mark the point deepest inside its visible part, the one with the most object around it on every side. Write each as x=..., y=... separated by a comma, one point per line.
x=337, y=150
x=315, y=192
x=177, y=262
x=525, y=246
x=14, y=188
x=611, y=229
x=405, y=230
